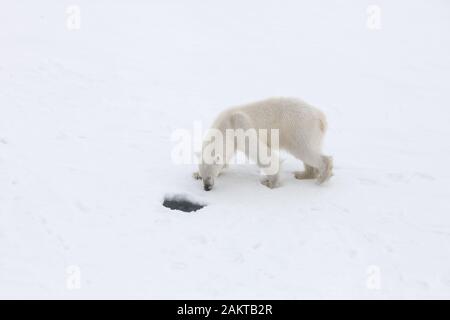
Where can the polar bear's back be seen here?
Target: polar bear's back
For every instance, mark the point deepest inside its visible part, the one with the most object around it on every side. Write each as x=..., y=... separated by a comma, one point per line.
x=294, y=118
x=280, y=112
x=279, y=108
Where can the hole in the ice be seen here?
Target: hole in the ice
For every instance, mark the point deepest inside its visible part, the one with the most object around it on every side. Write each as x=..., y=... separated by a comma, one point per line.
x=181, y=203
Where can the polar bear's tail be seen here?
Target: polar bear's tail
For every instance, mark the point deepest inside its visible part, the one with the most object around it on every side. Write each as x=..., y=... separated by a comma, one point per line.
x=323, y=124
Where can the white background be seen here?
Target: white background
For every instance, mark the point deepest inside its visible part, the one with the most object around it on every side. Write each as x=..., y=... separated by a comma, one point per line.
x=86, y=118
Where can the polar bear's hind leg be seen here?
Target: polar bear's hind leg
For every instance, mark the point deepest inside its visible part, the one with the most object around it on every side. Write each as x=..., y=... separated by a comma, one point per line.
x=316, y=166
x=327, y=170
x=309, y=173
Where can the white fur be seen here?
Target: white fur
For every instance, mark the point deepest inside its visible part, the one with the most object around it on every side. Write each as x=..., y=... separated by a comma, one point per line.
x=301, y=131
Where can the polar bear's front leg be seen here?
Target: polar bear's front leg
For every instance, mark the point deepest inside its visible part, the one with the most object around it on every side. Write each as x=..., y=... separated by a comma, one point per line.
x=270, y=170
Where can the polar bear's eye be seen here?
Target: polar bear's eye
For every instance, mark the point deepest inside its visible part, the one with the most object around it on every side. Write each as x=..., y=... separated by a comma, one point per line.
x=218, y=158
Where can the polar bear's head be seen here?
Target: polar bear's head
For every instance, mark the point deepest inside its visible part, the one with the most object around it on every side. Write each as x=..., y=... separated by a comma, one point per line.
x=208, y=172
x=209, y=169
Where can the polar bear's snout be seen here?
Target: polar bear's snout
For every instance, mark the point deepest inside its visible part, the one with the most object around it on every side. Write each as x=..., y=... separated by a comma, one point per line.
x=208, y=183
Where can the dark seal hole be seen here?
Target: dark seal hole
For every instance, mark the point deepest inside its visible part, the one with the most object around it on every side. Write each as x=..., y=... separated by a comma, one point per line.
x=182, y=204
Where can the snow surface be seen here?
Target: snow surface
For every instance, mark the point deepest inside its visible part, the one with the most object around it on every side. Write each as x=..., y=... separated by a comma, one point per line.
x=86, y=118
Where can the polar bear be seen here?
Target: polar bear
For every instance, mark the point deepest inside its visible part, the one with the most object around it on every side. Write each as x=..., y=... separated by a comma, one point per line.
x=300, y=127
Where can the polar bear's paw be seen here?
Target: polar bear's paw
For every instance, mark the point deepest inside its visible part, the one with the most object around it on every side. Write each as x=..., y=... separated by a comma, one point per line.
x=270, y=181
x=327, y=171
x=307, y=174
x=196, y=176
